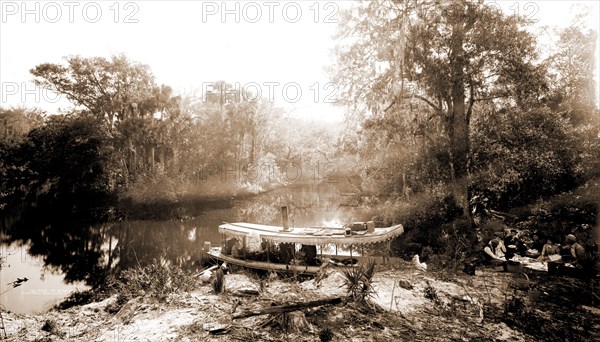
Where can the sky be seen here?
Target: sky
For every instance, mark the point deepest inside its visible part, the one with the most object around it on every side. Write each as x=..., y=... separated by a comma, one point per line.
x=279, y=50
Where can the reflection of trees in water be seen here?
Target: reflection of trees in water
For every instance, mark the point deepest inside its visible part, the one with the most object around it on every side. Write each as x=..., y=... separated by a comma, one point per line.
x=85, y=251
x=143, y=242
x=309, y=204
x=75, y=250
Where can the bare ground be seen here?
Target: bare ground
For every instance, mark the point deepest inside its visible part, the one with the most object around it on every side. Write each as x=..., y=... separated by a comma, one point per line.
x=406, y=305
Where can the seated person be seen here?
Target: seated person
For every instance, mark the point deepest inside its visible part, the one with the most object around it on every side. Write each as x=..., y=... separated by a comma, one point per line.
x=494, y=251
x=536, y=243
x=228, y=245
x=236, y=249
x=310, y=254
x=576, y=250
x=512, y=244
x=268, y=251
x=550, y=251
x=266, y=246
x=525, y=248
x=286, y=252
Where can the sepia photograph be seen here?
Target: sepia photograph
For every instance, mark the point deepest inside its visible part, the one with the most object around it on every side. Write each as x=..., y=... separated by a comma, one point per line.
x=309, y=170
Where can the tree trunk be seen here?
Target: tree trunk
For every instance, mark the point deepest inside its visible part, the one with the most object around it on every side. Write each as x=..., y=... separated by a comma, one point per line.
x=596, y=231
x=459, y=125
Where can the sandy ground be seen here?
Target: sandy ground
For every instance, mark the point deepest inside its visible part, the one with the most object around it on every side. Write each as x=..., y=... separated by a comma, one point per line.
x=400, y=295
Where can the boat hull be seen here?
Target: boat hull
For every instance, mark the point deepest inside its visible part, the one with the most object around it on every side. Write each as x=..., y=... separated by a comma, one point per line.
x=215, y=253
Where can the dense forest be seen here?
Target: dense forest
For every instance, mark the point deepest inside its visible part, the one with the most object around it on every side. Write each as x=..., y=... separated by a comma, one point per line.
x=449, y=108
x=130, y=138
x=460, y=108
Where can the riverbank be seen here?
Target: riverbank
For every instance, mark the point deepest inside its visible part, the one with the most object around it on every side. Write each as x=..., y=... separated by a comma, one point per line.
x=406, y=305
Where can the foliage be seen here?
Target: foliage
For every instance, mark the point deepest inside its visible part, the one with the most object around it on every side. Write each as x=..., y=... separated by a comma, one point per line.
x=571, y=65
x=411, y=74
x=403, y=159
x=168, y=146
x=326, y=335
x=52, y=327
x=358, y=280
x=77, y=298
x=15, y=125
x=106, y=88
x=424, y=219
x=571, y=212
x=35, y=171
x=590, y=263
x=519, y=157
x=142, y=119
x=549, y=311
x=60, y=182
x=155, y=187
x=431, y=293
x=573, y=90
x=460, y=245
x=154, y=280
x=17, y=122
x=79, y=142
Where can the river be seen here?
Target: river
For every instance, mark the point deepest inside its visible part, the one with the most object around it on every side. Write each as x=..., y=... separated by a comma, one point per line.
x=58, y=261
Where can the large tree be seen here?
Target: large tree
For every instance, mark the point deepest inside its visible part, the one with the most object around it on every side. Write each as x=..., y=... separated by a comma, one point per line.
x=142, y=116
x=572, y=66
x=447, y=55
x=107, y=88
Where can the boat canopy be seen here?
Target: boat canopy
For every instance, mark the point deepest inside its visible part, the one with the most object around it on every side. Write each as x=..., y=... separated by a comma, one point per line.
x=311, y=235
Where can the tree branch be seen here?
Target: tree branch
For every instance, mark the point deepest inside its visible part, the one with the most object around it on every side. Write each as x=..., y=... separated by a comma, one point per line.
x=471, y=102
x=415, y=96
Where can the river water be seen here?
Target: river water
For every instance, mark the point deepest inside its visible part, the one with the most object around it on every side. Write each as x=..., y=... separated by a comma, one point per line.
x=64, y=260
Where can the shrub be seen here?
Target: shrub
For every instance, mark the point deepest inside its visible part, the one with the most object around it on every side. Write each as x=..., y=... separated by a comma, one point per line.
x=519, y=157
x=430, y=293
x=52, y=327
x=77, y=298
x=358, y=280
x=423, y=222
x=590, y=263
x=326, y=335
x=154, y=280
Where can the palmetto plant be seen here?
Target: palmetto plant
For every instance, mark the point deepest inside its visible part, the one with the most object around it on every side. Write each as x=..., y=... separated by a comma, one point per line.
x=590, y=262
x=358, y=280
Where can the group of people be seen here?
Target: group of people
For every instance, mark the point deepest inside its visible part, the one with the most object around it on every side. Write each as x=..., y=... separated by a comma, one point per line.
x=505, y=245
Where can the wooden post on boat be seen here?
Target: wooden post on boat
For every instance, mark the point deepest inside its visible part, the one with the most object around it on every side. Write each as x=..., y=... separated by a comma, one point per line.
x=268, y=250
x=284, y=218
x=244, y=247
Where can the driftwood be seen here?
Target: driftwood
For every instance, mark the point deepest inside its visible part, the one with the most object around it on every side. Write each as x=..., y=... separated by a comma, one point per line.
x=294, y=321
x=286, y=308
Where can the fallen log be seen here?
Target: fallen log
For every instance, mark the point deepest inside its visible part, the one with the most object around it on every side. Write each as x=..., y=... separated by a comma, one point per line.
x=287, y=308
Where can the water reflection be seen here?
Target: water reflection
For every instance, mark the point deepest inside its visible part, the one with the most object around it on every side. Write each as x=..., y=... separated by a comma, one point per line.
x=180, y=242
x=84, y=253
x=42, y=290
